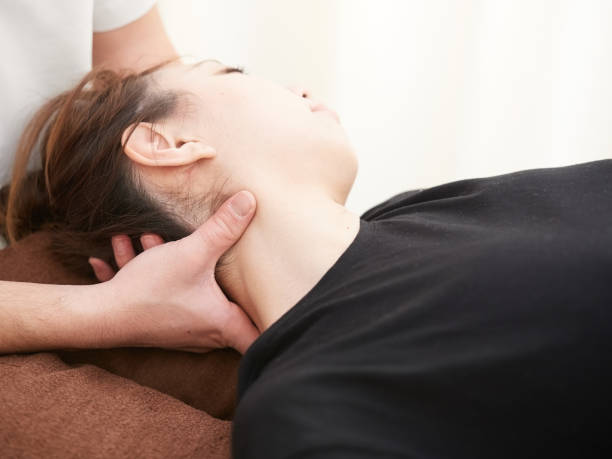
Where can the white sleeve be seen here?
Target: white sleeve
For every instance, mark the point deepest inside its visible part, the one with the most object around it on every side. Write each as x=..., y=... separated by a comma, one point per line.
x=112, y=14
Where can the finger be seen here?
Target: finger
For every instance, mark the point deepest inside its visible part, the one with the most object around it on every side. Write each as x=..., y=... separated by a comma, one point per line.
x=197, y=350
x=150, y=240
x=123, y=249
x=238, y=331
x=224, y=228
x=102, y=270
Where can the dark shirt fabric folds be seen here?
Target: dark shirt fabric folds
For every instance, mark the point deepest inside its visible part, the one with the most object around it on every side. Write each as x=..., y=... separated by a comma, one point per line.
x=467, y=320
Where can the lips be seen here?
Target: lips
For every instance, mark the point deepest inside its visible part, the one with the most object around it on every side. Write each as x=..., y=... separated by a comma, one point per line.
x=319, y=107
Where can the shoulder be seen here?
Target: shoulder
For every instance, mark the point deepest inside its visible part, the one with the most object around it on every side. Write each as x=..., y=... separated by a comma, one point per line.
x=389, y=204
x=265, y=424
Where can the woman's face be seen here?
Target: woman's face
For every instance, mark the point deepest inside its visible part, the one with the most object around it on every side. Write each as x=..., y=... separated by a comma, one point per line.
x=263, y=133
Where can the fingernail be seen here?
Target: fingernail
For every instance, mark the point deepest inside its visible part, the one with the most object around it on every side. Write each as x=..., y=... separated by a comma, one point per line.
x=118, y=243
x=147, y=240
x=242, y=203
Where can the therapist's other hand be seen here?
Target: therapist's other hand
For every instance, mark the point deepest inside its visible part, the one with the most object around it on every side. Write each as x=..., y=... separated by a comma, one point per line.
x=124, y=252
x=168, y=296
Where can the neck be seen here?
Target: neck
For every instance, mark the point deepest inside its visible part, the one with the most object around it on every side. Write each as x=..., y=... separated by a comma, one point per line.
x=288, y=247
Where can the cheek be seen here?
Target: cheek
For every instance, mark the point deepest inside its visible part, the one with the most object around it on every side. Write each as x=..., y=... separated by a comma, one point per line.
x=271, y=125
x=269, y=120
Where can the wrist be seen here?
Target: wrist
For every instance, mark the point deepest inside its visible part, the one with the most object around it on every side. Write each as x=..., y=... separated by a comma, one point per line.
x=91, y=311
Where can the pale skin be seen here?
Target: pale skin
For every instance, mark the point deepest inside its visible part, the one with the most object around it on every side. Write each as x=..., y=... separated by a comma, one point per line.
x=178, y=305
x=267, y=139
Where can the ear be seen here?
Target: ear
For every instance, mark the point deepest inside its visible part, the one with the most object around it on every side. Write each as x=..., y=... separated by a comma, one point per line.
x=151, y=145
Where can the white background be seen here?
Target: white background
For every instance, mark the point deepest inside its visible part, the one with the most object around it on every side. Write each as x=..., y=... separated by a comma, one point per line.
x=429, y=91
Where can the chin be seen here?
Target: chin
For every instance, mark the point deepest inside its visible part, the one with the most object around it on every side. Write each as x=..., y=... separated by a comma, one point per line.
x=346, y=172
x=337, y=165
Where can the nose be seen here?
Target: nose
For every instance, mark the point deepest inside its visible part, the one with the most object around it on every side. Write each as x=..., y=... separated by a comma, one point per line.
x=304, y=93
x=300, y=91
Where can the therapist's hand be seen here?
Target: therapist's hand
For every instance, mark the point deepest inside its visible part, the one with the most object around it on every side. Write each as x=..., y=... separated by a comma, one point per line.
x=124, y=252
x=168, y=297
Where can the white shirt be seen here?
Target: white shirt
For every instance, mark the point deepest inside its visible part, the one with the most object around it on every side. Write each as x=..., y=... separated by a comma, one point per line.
x=45, y=48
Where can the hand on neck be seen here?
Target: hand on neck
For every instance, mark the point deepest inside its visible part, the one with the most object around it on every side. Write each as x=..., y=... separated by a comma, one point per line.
x=291, y=243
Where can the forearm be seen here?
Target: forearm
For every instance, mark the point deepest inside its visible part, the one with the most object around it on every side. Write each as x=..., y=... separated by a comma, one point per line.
x=35, y=317
x=137, y=46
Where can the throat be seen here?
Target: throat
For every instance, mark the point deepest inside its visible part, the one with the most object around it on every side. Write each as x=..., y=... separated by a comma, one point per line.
x=284, y=252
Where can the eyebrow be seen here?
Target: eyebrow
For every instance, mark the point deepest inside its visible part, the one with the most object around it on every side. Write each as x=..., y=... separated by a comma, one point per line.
x=204, y=61
x=223, y=71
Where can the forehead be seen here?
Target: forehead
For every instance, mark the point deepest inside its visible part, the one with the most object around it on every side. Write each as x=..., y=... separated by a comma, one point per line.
x=184, y=75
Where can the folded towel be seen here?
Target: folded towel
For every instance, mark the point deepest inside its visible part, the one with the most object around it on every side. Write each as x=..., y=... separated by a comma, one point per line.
x=94, y=403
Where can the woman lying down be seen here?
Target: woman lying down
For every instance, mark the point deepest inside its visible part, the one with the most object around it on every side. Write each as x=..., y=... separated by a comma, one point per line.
x=471, y=319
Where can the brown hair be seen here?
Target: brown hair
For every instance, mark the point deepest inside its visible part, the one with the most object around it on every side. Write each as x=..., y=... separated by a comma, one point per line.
x=86, y=190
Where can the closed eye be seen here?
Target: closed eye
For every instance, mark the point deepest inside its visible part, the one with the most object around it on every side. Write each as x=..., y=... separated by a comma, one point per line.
x=227, y=70
x=224, y=70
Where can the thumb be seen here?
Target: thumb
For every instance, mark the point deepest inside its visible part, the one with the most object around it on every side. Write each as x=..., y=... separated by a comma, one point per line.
x=215, y=236
x=238, y=330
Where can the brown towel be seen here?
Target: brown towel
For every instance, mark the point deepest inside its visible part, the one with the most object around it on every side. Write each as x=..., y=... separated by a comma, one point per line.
x=93, y=403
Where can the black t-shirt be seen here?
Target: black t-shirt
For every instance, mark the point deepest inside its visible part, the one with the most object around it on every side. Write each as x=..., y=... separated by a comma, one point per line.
x=467, y=320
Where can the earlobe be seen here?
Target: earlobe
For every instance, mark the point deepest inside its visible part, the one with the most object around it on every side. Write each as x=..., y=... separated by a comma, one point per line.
x=150, y=145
